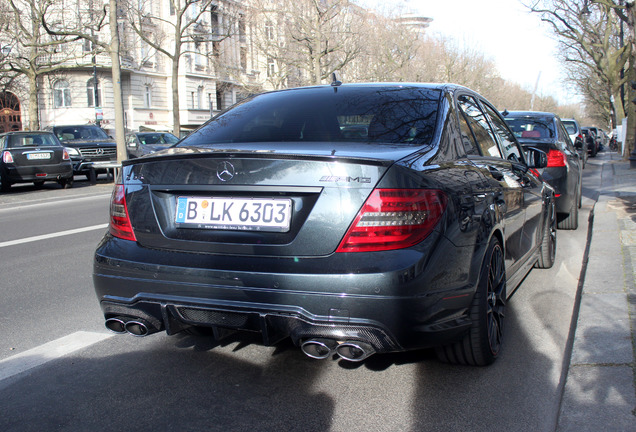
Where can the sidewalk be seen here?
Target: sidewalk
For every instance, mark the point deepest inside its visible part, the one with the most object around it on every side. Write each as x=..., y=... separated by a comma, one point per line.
x=600, y=393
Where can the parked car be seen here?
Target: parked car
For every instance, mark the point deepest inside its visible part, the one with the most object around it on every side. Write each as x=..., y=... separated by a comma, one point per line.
x=545, y=131
x=595, y=139
x=34, y=156
x=576, y=136
x=143, y=143
x=267, y=219
x=89, y=147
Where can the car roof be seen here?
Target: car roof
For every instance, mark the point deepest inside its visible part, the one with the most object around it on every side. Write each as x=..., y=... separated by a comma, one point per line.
x=531, y=113
x=431, y=86
x=23, y=132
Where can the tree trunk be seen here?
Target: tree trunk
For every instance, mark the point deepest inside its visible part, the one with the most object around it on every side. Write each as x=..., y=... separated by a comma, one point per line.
x=34, y=112
x=176, y=117
x=120, y=127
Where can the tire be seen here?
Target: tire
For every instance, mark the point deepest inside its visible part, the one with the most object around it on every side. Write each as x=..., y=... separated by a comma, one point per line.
x=5, y=186
x=66, y=183
x=571, y=222
x=547, y=251
x=482, y=343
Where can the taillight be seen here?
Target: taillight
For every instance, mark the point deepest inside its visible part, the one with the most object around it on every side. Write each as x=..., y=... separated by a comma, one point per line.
x=556, y=158
x=119, y=221
x=65, y=155
x=7, y=157
x=394, y=219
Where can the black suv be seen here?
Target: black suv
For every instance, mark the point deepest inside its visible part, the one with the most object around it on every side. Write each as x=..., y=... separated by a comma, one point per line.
x=89, y=147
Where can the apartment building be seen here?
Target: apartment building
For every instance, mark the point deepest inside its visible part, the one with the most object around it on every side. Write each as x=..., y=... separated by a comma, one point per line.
x=215, y=68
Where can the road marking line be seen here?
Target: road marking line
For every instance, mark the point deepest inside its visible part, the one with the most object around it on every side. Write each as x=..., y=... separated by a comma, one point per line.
x=52, y=235
x=37, y=356
x=21, y=205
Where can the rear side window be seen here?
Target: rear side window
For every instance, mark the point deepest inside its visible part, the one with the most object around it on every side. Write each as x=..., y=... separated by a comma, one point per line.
x=507, y=140
x=392, y=115
x=476, y=119
x=570, y=126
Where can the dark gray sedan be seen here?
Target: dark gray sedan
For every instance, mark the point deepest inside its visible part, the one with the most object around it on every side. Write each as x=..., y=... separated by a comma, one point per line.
x=35, y=157
x=353, y=219
x=546, y=132
x=144, y=143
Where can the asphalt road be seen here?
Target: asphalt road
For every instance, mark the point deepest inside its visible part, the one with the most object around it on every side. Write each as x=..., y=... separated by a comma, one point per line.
x=61, y=370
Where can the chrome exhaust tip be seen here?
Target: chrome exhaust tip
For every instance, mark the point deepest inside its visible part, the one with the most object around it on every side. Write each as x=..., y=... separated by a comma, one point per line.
x=354, y=351
x=116, y=325
x=318, y=348
x=137, y=328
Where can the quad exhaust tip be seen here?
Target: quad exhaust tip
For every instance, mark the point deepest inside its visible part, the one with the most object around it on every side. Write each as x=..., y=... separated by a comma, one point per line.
x=135, y=327
x=354, y=351
x=116, y=325
x=319, y=348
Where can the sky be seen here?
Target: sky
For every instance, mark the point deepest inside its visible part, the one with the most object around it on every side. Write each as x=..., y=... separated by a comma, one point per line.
x=522, y=47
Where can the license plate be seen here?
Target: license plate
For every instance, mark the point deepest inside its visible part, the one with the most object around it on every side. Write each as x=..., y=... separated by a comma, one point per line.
x=32, y=156
x=244, y=214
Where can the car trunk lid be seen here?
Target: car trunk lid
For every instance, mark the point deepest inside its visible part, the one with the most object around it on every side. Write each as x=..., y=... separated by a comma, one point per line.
x=283, y=203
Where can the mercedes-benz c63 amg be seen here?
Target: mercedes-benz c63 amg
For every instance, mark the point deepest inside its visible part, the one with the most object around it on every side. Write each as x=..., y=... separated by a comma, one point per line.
x=352, y=218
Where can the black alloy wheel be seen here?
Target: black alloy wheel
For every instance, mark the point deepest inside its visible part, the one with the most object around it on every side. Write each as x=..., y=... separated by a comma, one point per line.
x=482, y=343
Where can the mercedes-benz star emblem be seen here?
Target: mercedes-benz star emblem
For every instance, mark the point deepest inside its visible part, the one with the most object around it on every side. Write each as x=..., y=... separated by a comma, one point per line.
x=225, y=171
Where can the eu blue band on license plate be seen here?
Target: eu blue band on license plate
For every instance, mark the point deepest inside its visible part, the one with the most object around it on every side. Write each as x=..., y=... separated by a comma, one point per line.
x=244, y=214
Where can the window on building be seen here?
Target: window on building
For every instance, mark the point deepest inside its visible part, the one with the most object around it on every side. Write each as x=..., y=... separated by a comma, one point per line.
x=243, y=58
x=90, y=93
x=61, y=94
x=271, y=67
x=148, y=96
x=219, y=99
x=199, y=58
x=269, y=30
x=172, y=9
x=214, y=20
x=200, y=97
x=241, y=28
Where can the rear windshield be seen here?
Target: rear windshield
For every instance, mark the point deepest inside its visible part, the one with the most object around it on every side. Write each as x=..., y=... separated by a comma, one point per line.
x=68, y=133
x=396, y=115
x=32, y=140
x=531, y=127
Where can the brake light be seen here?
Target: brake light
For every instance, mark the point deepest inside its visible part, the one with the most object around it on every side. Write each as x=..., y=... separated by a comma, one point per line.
x=119, y=221
x=65, y=155
x=394, y=219
x=556, y=158
x=7, y=157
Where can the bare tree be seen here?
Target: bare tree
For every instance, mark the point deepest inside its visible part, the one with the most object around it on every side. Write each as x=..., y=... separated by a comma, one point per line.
x=391, y=50
x=32, y=53
x=588, y=36
x=184, y=30
x=304, y=41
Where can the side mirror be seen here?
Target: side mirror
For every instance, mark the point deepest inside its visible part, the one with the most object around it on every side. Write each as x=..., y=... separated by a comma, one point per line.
x=536, y=158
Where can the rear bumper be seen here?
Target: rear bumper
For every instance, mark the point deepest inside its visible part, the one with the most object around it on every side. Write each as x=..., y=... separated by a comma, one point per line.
x=558, y=179
x=83, y=167
x=399, y=304
x=37, y=173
